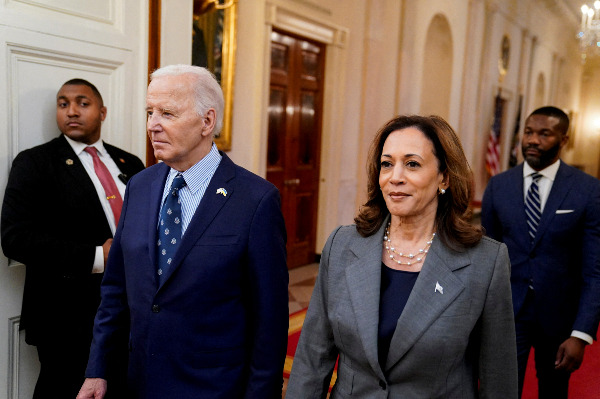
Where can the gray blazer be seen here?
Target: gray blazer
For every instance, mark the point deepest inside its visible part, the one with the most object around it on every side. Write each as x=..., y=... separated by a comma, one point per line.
x=454, y=339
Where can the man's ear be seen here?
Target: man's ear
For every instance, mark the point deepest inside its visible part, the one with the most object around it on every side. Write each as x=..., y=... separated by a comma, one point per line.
x=564, y=141
x=102, y=113
x=210, y=121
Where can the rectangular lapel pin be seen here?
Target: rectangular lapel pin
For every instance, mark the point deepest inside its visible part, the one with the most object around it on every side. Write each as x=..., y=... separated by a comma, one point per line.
x=439, y=288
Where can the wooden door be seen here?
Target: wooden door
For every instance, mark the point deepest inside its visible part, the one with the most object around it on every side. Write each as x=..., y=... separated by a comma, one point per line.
x=294, y=138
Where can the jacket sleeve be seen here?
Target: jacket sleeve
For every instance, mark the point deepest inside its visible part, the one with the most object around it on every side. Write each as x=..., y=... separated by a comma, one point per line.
x=498, y=352
x=489, y=218
x=268, y=282
x=316, y=352
x=111, y=324
x=588, y=313
x=31, y=225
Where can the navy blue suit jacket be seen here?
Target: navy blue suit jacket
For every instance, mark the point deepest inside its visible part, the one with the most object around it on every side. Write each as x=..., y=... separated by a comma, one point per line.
x=217, y=326
x=563, y=263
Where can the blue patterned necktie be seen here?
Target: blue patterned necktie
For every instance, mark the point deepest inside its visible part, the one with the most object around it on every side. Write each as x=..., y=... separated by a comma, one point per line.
x=533, y=207
x=169, y=227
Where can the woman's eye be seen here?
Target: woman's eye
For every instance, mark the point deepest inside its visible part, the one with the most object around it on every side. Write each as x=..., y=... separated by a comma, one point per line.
x=412, y=164
x=385, y=164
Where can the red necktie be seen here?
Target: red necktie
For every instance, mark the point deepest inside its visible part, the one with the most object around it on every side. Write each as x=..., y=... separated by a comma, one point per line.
x=110, y=187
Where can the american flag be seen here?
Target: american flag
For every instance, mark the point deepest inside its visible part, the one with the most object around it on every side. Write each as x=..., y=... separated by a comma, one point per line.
x=514, y=151
x=492, y=156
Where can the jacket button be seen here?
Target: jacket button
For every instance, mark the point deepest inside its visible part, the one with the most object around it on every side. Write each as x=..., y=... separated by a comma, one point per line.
x=155, y=308
x=382, y=384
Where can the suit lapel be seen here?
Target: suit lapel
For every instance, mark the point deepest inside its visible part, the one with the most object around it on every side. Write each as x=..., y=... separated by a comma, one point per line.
x=207, y=210
x=363, y=276
x=426, y=302
x=560, y=188
x=156, y=190
x=121, y=162
x=516, y=196
x=73, y=166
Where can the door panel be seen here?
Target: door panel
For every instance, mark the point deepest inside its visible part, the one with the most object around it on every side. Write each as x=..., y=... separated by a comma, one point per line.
x=294, y=137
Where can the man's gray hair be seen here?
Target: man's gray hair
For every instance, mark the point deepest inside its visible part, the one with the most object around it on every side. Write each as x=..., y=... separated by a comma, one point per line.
x=207, y=91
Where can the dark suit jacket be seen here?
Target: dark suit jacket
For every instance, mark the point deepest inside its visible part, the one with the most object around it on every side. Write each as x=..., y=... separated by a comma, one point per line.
x=452, y=341
x=52, y=221
x=217, y=326
x=563, y=264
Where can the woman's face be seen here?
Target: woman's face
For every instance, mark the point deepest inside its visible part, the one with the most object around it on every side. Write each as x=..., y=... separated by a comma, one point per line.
x=409, y=178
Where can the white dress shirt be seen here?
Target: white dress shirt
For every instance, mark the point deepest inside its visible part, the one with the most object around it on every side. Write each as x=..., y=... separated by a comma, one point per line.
x=88, y=164
x=196, y=179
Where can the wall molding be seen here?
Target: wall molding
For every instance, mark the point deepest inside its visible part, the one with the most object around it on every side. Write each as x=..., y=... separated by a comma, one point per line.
x=13, y=357
x=103, y=11
x=20, y=54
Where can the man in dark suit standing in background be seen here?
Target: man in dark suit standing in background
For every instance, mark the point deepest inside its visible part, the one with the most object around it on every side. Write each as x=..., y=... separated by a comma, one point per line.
x=198, y=264
x=548, y=214
x=60, y=212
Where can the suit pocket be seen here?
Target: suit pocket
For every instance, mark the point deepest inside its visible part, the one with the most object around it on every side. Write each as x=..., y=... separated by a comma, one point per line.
x=218, y=240
x=345, y=379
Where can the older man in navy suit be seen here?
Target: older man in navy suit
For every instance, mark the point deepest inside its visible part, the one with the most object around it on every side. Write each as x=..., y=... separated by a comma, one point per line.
x=548, y=214
x=198, y=263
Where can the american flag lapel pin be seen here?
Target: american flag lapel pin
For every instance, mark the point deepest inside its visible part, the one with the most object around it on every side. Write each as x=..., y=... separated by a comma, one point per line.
x=439, y=288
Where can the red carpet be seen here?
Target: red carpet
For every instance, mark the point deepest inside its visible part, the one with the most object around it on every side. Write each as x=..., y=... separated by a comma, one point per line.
x=584, y=384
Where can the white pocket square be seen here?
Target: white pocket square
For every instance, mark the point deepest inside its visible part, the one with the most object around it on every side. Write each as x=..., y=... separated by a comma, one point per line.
x=562, y=211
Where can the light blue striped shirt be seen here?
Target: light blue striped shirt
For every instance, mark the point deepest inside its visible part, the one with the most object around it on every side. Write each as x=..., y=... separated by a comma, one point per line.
x=196, y=179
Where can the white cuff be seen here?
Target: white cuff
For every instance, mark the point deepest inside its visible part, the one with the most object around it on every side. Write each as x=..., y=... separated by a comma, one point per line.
x=98, y=266
x=581, y=335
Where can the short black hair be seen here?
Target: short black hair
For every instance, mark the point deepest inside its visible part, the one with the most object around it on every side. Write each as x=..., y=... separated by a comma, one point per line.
x=83, y=82
x=563, y=119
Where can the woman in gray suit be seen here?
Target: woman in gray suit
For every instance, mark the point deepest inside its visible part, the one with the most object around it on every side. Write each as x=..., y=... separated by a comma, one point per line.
x=413, y=299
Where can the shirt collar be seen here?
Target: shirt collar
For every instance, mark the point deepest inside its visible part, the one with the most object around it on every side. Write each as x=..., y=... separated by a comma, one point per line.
x=548, y=172
x=79, y=147
x=202, y=170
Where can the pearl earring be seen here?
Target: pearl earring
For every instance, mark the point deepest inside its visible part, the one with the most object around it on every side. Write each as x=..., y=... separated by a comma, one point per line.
x=442, y=191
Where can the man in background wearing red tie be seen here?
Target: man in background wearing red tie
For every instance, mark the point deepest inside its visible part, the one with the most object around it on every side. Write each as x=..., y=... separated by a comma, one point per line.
x=61, y=208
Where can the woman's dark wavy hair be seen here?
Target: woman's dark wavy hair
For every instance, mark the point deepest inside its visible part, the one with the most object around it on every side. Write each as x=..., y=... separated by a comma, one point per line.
x=453, y=214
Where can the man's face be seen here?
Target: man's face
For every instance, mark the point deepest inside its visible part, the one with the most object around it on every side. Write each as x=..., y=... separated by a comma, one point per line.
x=542, y=141
x=180, y=137
x=79, y=113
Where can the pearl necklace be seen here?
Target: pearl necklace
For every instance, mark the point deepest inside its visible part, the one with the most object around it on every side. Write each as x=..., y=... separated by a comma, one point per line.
x=391, y=250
